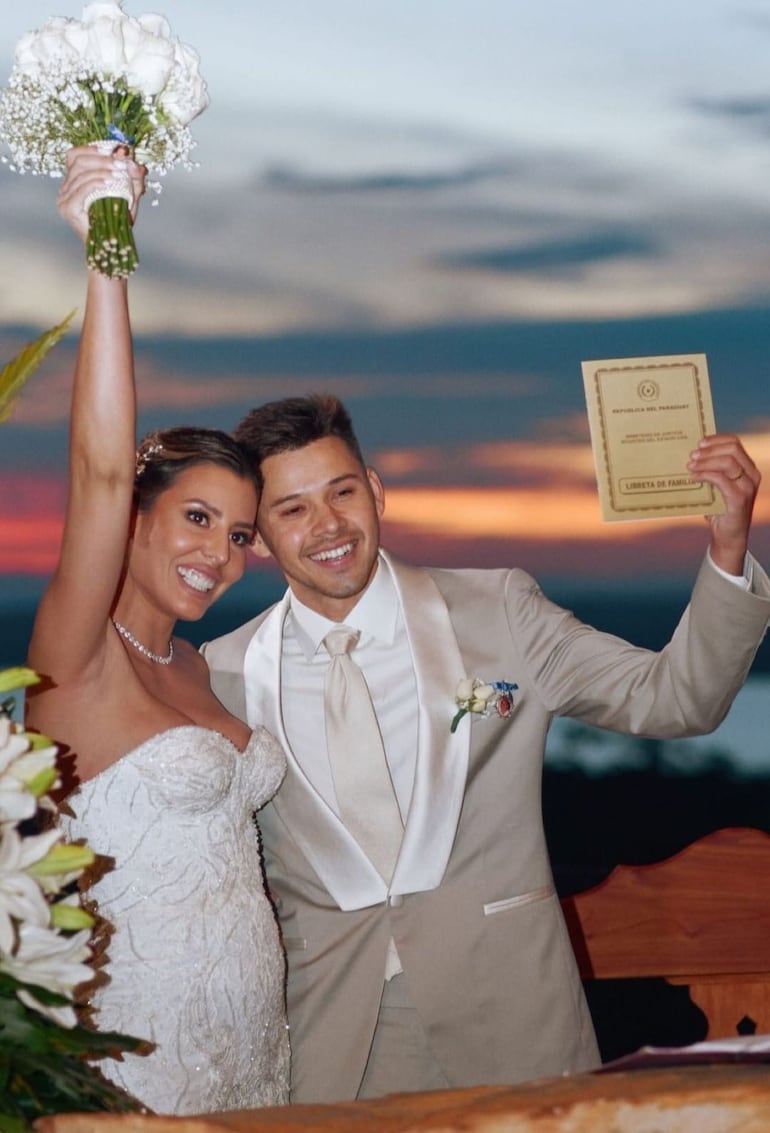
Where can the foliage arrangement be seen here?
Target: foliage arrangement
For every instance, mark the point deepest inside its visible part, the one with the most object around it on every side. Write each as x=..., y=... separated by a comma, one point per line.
x=46, y=1054
x=45, y=936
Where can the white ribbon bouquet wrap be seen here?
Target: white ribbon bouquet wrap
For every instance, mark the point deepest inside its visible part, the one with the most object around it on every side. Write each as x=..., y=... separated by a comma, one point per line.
x=108, y=79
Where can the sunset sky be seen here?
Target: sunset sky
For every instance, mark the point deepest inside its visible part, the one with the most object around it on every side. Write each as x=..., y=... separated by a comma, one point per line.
x=436, y=210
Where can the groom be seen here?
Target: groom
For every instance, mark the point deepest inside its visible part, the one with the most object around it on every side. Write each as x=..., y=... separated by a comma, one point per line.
x=446, y=963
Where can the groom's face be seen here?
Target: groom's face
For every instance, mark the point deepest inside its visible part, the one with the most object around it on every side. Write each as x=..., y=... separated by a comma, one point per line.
x=319, y=517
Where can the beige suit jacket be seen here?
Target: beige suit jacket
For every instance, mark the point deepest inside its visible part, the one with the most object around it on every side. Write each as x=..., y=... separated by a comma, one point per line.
x=472, y=906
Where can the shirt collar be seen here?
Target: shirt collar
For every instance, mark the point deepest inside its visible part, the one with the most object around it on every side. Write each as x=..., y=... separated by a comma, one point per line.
x=375, y=614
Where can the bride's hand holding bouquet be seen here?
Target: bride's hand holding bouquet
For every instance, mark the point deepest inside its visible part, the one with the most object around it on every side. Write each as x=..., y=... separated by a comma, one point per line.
x=122, y=84
x=87, y=173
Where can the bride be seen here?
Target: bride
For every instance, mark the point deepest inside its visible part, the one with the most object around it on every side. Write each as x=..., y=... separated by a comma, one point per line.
x=168, y=780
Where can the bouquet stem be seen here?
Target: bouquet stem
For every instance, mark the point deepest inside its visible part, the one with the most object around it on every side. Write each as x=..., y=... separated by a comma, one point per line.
x=110, y=248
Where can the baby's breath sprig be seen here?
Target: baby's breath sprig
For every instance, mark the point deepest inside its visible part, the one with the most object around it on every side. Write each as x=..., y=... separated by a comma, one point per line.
x=111, y=79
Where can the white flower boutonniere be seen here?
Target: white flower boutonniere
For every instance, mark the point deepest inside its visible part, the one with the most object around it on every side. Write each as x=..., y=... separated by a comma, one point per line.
x=483, y=699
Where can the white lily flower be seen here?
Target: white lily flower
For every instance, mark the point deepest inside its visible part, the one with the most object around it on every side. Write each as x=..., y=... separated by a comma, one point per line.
x=63, y=1016
x=46, y=959
x=45, y=932
x=69, y=915
x=21, y=900
x=12, y=743
x=22, y=769
x=16, y=802
x=32, y=763
x=21, y=896
x=61, y=865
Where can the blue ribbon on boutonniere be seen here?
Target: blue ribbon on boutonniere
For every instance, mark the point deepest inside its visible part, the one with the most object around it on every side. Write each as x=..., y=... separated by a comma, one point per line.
x=483, y=699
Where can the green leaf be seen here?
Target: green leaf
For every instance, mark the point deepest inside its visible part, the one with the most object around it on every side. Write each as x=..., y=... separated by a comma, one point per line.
x=20, y=1026
x=457, y=718
x=16, y=372
x=10, y=1124
x=37, y=740
x=17, y=677
x=39, y=784
x=46, y=1069
x=70, y=918
x=63, y=858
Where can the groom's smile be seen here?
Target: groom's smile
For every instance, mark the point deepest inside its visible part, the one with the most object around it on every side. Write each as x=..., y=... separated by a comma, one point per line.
x=319, y=518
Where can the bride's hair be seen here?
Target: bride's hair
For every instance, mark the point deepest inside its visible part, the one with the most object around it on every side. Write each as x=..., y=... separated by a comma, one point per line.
x=165, y=453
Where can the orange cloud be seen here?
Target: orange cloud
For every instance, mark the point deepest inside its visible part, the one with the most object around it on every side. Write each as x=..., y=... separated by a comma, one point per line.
x=31, y=512
x=29, y=544
x=521, y=513
x=541, y=490
x=565, y=458
x=504, y=513
x=550, y=461
x=553, y=502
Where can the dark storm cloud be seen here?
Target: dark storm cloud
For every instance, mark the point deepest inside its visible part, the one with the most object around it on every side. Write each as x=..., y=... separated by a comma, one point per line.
x=291, y=179
x=459, y=384
x=750, y=113
x=556, y=256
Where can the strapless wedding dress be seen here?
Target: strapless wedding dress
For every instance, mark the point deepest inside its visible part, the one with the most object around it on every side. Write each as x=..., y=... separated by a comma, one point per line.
x=194, y=961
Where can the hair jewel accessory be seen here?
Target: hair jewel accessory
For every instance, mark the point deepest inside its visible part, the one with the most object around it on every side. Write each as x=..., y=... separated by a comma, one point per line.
x=145, y=453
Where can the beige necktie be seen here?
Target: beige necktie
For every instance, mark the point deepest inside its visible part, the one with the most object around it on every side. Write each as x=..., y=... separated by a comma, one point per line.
x=365, y=796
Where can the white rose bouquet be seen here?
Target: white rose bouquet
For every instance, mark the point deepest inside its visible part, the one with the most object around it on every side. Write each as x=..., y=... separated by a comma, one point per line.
x=44, y=943
x=108, y=79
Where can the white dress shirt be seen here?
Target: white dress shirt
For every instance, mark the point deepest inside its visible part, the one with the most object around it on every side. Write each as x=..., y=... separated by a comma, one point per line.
x=745, y=581
x=384, y=657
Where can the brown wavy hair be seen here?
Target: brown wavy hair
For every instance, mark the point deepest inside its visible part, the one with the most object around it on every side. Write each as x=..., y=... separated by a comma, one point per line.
x=292, y=423
x=165, y=453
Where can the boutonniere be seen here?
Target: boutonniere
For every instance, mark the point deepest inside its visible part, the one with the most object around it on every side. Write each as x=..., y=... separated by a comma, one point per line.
x=492, y=699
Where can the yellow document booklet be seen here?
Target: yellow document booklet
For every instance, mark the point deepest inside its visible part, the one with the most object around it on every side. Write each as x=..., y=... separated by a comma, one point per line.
x=646, y=416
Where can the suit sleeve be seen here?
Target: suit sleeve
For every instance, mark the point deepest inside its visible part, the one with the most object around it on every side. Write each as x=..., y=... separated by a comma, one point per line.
x=685, y=689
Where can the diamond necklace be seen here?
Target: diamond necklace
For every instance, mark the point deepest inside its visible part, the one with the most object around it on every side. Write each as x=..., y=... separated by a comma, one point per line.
x=156, y=657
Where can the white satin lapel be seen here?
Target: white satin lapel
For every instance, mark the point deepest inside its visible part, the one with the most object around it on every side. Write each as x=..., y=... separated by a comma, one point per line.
x=262, y=673
x=442, y=758
x=333, y=853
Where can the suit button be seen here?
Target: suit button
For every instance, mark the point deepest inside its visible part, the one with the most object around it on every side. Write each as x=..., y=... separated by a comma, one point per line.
x=396, y=901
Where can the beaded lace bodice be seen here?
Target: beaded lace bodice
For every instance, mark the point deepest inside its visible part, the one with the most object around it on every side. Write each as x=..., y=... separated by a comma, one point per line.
x=195, y=963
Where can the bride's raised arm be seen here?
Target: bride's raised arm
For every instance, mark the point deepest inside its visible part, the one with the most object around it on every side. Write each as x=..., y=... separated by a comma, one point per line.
x=72, y=622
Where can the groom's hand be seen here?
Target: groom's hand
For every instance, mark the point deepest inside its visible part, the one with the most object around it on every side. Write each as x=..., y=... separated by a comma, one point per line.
x=722, y=460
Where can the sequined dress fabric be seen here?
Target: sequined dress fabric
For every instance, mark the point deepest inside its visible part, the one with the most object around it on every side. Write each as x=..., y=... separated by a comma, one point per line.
x=194, y=959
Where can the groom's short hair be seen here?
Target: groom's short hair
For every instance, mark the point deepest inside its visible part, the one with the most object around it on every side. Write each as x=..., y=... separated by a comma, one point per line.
x=292, y=423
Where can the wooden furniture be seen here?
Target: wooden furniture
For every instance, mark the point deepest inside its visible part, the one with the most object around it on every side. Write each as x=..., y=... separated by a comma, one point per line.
x=700, y=918
x=700, y=1099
